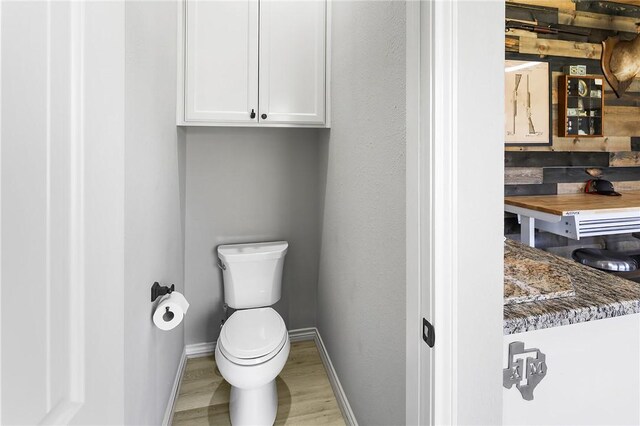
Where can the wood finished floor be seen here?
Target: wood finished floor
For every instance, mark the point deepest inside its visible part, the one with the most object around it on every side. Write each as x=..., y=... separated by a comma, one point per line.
x=305, y=396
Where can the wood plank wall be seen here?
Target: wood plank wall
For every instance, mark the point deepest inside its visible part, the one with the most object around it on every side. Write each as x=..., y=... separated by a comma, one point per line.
x=561, y=167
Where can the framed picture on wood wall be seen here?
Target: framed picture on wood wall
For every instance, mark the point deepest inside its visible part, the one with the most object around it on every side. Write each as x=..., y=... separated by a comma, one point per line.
x=527, y=102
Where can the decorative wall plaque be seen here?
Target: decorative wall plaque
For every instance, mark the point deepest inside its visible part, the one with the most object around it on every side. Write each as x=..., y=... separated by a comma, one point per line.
x=526, y=368
x=527, y=103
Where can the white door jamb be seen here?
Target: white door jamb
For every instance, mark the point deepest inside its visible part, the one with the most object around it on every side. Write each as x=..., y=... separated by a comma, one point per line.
x=442, y=162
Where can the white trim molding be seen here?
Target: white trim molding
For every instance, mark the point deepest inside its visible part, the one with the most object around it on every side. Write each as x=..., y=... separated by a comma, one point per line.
x=175, y=390
x=419, y=357
x=302, y=334
x=1, y=3
x=298, y=335
x=441, y=23
x=200, y=349
x=338, y=391
x=77, y=349
x=71, y=20
x=446, y=61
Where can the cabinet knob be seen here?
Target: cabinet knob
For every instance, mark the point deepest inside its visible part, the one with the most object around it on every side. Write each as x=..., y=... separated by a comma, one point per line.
x=264, y=116
x=253, y=114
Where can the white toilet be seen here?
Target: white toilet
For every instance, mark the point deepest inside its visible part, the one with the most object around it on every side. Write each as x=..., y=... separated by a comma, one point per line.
x=253, y=346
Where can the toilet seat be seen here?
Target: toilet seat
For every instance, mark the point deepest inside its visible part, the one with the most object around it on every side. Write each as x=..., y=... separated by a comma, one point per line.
x=252, y=336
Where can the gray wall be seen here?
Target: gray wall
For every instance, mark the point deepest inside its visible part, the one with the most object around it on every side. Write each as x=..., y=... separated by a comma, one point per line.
x=361, y=289
x=247, y=185
x=154, y=172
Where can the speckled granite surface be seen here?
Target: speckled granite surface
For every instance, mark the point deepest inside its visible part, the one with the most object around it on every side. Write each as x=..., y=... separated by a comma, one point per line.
x=598, y=295
x=528, y=280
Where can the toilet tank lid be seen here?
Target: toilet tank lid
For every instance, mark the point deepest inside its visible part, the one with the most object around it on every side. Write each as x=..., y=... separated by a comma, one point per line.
x=252, y=251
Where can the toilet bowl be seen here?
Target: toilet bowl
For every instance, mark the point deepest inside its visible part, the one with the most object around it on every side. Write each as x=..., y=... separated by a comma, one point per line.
x=251, y=351
x=253, y=346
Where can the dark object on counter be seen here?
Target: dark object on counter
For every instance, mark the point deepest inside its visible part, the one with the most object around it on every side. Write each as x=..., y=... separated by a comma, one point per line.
x=600, y=187
x=605, y=260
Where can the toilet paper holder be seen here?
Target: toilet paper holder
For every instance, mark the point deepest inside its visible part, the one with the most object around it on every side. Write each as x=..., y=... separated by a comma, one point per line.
x=158, y=290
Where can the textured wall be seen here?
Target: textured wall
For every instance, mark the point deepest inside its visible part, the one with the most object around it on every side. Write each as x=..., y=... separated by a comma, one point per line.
x=361, y=289
x=247, y=185
x=154, y=165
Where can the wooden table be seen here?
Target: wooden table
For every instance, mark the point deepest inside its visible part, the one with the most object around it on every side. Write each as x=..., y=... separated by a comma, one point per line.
x=576, y=215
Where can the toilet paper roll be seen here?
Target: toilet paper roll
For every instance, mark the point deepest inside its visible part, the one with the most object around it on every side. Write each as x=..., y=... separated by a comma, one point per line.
x=170, y=311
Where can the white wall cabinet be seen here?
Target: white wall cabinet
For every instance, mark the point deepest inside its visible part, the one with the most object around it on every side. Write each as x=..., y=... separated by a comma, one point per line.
x=253, y=63
x=593, y=375
x=221, y=61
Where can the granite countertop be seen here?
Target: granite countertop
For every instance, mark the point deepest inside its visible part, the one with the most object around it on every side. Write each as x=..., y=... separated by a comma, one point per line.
x=550, y=280
x=597, y=295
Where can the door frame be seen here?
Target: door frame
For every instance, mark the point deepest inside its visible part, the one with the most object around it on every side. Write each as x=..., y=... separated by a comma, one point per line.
x=418, y=364
x=442, y=44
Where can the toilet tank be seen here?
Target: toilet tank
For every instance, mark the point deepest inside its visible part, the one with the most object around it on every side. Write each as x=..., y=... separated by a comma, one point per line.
x=252, y=273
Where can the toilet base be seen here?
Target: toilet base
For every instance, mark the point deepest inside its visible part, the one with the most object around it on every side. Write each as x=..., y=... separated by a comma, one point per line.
x=257, y=406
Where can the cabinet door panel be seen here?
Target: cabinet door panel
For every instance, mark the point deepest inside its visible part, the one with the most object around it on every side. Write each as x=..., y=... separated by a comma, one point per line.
x=292, y=61
x=593, y=375
x=221, y=60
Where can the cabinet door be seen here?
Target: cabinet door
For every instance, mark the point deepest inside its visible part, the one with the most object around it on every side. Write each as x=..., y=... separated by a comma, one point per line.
x=221, y=61
x=593, y=375
x=292, y=61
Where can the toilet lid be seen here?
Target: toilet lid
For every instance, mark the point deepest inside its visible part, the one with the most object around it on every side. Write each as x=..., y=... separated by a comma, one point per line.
x=252, y=333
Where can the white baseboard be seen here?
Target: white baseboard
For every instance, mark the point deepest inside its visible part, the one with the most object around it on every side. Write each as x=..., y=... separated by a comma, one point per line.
x=301, y=334
x=175, y=390
x=338, y=391
x=200, y=349
x=207, y=348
